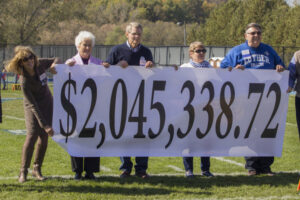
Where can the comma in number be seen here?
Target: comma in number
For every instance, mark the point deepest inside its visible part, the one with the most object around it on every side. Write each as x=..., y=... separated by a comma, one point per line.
x=102, y=132
x=171, y=131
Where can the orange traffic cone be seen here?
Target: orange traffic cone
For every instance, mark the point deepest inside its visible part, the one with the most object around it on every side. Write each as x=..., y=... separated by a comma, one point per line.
x=298, y=188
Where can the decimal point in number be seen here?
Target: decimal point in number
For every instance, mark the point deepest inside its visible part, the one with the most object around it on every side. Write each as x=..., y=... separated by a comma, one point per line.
x=236, y=132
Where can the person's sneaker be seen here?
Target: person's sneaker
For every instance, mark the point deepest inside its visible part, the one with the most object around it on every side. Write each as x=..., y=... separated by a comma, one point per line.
x=89, y=176
x=207, y=174
x=125, y=174
x=77, y=176
x=142, y=175
x=189, y=174
x=252, y=172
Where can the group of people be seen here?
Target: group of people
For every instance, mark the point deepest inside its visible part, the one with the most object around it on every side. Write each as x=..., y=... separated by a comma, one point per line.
x=38, y=102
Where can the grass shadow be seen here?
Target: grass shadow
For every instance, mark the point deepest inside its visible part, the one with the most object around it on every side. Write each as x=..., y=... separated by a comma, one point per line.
x=156, y=185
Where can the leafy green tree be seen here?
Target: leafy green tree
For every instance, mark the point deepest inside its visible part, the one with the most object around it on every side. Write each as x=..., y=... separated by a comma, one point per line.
x=290, y=34
x=116, y=36
x=194, y=11
x=2, y=8
x=214, y=22
x=26, y=18
x=162, y=33
x=118, y=11
x=216, y=26
x=152, y=10
x=226, y=23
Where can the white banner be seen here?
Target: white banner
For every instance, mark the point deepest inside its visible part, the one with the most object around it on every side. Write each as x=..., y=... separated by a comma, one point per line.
x=164, y=112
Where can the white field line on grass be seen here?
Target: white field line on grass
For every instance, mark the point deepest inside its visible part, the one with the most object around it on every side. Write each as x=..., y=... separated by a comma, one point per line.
x=229, y=161
x=291, y=124
x=175, y=168
x=15, y=94
x=153, y=175
x=12, y=117
x=105, y=169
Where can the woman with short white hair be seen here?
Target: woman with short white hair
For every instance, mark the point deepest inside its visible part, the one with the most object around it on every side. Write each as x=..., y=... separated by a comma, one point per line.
x=84, y=42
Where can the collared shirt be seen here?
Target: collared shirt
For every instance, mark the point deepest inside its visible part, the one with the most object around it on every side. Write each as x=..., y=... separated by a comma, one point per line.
x=124, y=52
x=133, y=49
x=79, y=61
x=204, y=64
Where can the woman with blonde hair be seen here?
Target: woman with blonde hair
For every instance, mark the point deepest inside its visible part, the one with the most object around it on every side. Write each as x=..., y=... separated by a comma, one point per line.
x=38, y=106
x=197, y=52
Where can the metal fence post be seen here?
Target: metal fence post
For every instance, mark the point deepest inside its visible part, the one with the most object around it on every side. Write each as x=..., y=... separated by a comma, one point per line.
x=42, y=53
x=167, y=54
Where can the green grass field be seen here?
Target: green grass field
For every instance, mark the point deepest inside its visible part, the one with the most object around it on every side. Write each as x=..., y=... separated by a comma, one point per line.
x=167, y=174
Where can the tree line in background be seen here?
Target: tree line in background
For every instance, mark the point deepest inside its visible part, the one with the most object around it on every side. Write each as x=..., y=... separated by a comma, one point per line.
x=215, y=22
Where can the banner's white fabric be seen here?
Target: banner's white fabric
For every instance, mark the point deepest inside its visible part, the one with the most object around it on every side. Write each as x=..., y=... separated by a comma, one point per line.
x=164, y=112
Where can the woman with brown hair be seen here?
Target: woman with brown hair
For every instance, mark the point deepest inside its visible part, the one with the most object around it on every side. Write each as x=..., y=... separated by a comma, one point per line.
x=38, y=106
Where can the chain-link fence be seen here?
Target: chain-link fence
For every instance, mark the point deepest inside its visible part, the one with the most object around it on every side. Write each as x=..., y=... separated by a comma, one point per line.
x=166, y=55
x=162, y=55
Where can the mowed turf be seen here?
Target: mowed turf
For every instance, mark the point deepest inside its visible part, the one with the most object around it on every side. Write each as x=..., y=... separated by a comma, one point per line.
x=167, y=174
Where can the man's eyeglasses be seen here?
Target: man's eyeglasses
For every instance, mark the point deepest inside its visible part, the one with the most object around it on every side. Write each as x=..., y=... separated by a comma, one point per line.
x=200, y=51
x=254, y=33
x=136, y=34
x=28, y=58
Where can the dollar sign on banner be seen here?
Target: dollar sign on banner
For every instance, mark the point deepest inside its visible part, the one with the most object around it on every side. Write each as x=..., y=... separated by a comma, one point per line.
x=68, y=107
